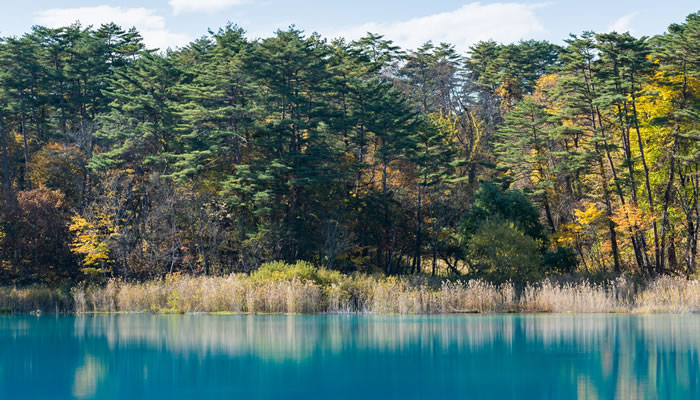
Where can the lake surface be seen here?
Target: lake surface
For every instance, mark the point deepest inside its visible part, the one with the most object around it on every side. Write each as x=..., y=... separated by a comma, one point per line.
x=350, y=357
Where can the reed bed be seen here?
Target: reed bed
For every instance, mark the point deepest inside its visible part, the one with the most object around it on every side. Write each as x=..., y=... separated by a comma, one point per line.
x=667, y=294
x=360, y=293
x=34, y=299
x=304, y=289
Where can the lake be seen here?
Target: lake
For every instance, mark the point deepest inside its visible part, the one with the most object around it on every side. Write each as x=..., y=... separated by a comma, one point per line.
x=143, y=356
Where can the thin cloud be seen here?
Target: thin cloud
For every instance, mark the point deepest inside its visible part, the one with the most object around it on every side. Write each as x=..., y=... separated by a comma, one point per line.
x=622, y=24
x=471, y=23
x=184, y=6
x=151, y=26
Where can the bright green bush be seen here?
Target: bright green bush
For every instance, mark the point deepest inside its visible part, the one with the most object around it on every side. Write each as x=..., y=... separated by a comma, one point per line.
x=501, y=252
x=281, y=271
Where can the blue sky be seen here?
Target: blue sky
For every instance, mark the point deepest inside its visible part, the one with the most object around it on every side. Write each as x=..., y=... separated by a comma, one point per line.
x=173, y=23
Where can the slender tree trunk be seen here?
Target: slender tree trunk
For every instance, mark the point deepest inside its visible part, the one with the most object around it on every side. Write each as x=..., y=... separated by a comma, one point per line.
x=5, y=161
x=689, y=210
x=624, y=135
x=548, y=213
x=611, y=224
x=672, y=260
x=27, y=180
x=667, y=200
x=435, y=243
x=635, y=244
x=419, y=232
x=691, y=246
x=384, y=185
x=603, y=173
x=360, y=155
x=391, y=253
x=642, y=259
x=647, y=182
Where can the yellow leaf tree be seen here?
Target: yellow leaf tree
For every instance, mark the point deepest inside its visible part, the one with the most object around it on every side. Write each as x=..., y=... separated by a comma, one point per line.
x=91, y=241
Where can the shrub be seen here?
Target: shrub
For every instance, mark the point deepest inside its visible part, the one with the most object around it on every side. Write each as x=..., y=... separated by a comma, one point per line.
x=510, y=205
x=501, y=252
x=281, y=271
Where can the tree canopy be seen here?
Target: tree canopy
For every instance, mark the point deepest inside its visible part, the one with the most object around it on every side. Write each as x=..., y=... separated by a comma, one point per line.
x=509, y=161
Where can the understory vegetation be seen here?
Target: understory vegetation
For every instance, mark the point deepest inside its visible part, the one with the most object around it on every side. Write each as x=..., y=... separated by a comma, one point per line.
x=420, y=180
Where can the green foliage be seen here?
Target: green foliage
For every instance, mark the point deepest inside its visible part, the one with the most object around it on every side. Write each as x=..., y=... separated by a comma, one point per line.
x=500, y=252
x=510, y=205
x=281, y=271
x=560, y=261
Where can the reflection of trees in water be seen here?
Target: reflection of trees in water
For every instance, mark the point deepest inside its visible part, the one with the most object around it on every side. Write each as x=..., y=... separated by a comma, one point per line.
x=300, y=336
x=601, y=355
x=593, y=356
x=87, y=377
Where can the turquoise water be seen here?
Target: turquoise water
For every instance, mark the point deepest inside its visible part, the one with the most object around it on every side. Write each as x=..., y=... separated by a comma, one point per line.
x=350, y=357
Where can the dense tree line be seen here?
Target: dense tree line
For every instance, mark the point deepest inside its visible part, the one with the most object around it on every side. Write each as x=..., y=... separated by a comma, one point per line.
x=511, y=162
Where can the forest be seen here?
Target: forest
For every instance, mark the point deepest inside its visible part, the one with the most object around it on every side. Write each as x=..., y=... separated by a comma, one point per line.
x=511, y=163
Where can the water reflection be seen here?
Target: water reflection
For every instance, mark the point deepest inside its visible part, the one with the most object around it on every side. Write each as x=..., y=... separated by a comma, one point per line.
x=87, y=377
x=341, y=356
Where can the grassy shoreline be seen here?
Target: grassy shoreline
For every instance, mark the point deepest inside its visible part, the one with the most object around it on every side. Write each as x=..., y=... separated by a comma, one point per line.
x=305, y=290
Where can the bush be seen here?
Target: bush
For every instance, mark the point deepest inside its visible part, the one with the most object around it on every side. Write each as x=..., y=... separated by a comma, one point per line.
x=501, y=252
x=277, y=271
x=510, y=205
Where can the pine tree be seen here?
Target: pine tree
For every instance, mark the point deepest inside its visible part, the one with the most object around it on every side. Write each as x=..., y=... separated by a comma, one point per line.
x=577, y=91
x=678, y=55
x=624, y=63
x=138, y=130
x=215, y=113
x=524, y=151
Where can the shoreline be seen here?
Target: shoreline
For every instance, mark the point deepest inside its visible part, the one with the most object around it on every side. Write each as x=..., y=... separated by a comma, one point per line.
x=329, y=292
x=367, y=314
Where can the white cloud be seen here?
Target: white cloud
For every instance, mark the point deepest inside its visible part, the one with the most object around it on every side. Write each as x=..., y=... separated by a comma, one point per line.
x=622, y=24
x=183, y=6
x=151, y=26
x=473, y=22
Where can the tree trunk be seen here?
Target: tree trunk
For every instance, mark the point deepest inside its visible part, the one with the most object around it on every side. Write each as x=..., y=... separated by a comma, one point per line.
x=27, y=181
x=435, y=242
x=640, y=247
x=548, y=213
x=667, y=200
x=647, y=182
x=5, y=162
x=419, y=238
x=689, y=210
x=611, y=224
x=603, y=174
x=635, y=245
x=391, y=253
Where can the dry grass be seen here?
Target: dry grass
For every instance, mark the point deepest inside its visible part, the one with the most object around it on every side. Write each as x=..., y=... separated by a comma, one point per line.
x=667, y=294
x=361, y=293
x=317, y=290
x=579, y=298
x=33, y=299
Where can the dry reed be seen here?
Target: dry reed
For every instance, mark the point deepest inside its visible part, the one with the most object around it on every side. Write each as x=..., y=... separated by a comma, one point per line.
x=33, y=299
x=326, y=291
